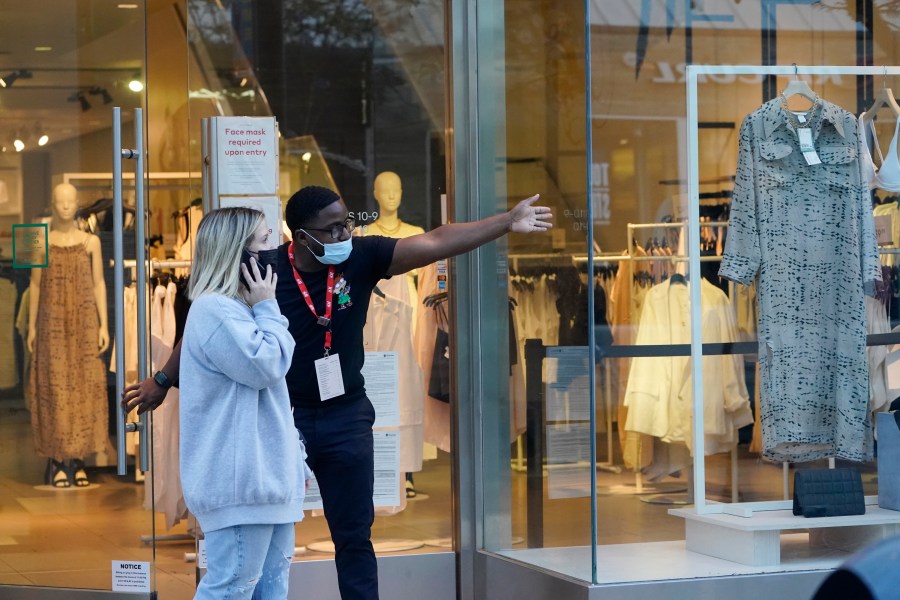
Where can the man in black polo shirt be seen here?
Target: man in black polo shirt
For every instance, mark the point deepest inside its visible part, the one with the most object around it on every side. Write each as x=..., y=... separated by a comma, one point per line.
x=325, y=280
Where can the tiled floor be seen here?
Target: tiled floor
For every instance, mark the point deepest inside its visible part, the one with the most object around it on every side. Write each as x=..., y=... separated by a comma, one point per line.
x=69, y=538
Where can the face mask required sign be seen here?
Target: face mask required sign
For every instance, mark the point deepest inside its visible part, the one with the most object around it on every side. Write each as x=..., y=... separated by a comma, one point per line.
x=245, y=150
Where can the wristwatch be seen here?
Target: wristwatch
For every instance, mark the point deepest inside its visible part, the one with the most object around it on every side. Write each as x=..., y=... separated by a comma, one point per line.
x=162, y=380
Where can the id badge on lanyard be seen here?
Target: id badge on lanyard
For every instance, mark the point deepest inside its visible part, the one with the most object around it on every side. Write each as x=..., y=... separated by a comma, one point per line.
x=328, y=368
x=329, y=377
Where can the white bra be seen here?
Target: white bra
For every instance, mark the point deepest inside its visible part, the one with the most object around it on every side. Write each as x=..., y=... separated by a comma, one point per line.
x=887, y=177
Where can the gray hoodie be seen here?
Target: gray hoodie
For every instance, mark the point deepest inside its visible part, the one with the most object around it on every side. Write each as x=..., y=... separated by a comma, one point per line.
x=242, y=461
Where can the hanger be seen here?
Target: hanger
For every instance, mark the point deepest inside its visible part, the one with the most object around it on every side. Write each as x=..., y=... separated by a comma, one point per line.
x=799, y=87
x=884, y=98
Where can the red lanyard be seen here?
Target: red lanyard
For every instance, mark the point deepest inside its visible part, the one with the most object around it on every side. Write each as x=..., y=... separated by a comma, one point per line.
x=324, y=321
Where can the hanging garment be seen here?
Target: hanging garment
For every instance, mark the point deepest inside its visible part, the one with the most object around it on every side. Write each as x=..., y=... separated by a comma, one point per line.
x=388, y=324
x=535, y=317
x=659, y=393
x=746, y=309
x=9, y=370
x=439, y=375
x=877, y=323
x=887, y=176
x=437, y=413
x=889, y=210
x=66, y=384
x=806, y=235
x=518, y=399
x=627, y=302
x=129, y=310
x=166, y=478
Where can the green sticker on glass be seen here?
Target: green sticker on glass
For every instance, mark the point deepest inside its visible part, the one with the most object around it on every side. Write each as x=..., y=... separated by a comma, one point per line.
x=30, y=246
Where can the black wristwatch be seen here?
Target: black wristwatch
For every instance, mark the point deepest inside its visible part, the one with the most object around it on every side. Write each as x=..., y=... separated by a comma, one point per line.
x=162, y=380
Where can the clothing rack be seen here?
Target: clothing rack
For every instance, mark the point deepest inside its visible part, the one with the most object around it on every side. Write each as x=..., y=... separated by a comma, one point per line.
x=676, y=225
x=156, y=264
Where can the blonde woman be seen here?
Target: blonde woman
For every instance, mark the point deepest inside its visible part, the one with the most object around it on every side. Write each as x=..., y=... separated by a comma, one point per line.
x=243, y=465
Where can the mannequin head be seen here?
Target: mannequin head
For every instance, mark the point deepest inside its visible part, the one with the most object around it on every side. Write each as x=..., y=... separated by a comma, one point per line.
x=65, y=203
x=388, y=191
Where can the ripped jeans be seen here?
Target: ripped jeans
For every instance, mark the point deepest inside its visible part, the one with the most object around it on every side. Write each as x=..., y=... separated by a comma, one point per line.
x=247, y=561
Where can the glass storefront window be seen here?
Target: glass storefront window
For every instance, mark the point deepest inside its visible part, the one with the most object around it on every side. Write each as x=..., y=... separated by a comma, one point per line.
x=641, y=286
x=357, y=89
x=66, y=515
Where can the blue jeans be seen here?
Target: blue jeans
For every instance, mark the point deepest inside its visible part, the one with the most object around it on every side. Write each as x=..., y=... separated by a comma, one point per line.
x=339, y=445
x=247, y=561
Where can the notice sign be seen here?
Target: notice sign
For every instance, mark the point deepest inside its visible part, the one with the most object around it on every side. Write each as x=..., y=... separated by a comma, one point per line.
x=30, y=247
x=246, y=155
x=130, y=576
x=387, y=468
x=382, y=378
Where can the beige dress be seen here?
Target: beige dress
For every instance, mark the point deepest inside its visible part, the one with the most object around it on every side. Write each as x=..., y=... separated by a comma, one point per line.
x=66, y=384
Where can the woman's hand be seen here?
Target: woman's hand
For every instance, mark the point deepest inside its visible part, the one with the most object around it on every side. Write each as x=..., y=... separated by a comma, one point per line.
x=260, y=287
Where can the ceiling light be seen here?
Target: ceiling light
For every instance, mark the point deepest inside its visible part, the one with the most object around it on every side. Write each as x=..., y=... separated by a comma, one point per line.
x=19, y=144
x=99, y=91
x=42, y=141
x=135, y=85
x=129, y=5
x=43, y=48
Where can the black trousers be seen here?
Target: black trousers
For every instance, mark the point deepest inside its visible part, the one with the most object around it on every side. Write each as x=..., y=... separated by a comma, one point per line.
x=340, y=452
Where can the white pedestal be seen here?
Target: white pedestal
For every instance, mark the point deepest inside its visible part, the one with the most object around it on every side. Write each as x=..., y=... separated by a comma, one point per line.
x=755, y=540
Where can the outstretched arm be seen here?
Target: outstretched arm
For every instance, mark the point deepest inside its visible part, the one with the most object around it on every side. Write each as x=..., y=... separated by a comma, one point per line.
x=457, y=238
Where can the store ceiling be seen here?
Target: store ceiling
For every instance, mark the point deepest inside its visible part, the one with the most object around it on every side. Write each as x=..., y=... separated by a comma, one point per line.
x=95, y=48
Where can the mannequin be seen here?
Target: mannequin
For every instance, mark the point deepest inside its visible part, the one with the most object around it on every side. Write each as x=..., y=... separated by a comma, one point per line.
x=67, y=332
x=388, y=192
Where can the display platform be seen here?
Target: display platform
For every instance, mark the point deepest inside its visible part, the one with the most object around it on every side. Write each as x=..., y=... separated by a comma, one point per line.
x=756, y=539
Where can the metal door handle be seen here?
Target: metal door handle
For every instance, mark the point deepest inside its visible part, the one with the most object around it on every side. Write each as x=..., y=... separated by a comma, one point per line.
x=118, y=285
x=141, y=261
x=137, y=155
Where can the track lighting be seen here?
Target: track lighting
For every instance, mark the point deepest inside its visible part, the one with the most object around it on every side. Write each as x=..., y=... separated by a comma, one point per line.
x=79, y=97
x=8, y=80
x=19, y=145
x=42, y=141
x=102, y=92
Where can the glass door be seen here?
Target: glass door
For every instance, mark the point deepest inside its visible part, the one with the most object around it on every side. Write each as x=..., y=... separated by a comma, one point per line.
x=76, y=517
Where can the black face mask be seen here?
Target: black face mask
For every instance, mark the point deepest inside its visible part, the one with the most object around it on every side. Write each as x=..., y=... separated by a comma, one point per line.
x=264, y=258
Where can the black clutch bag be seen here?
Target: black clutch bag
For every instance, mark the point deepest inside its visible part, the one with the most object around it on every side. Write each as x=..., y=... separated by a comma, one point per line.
x=828, y=493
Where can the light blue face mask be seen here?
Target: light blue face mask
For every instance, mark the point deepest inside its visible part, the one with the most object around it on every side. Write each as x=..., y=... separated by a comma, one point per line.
x=335, y=253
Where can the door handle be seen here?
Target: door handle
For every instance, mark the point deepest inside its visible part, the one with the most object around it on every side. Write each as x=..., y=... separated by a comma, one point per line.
x=136, y=154
x=141, y=261
x=119, y=285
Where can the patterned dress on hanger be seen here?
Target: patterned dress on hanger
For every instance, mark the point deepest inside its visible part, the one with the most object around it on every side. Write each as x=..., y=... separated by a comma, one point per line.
x=806, y=235
x=66, y=383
